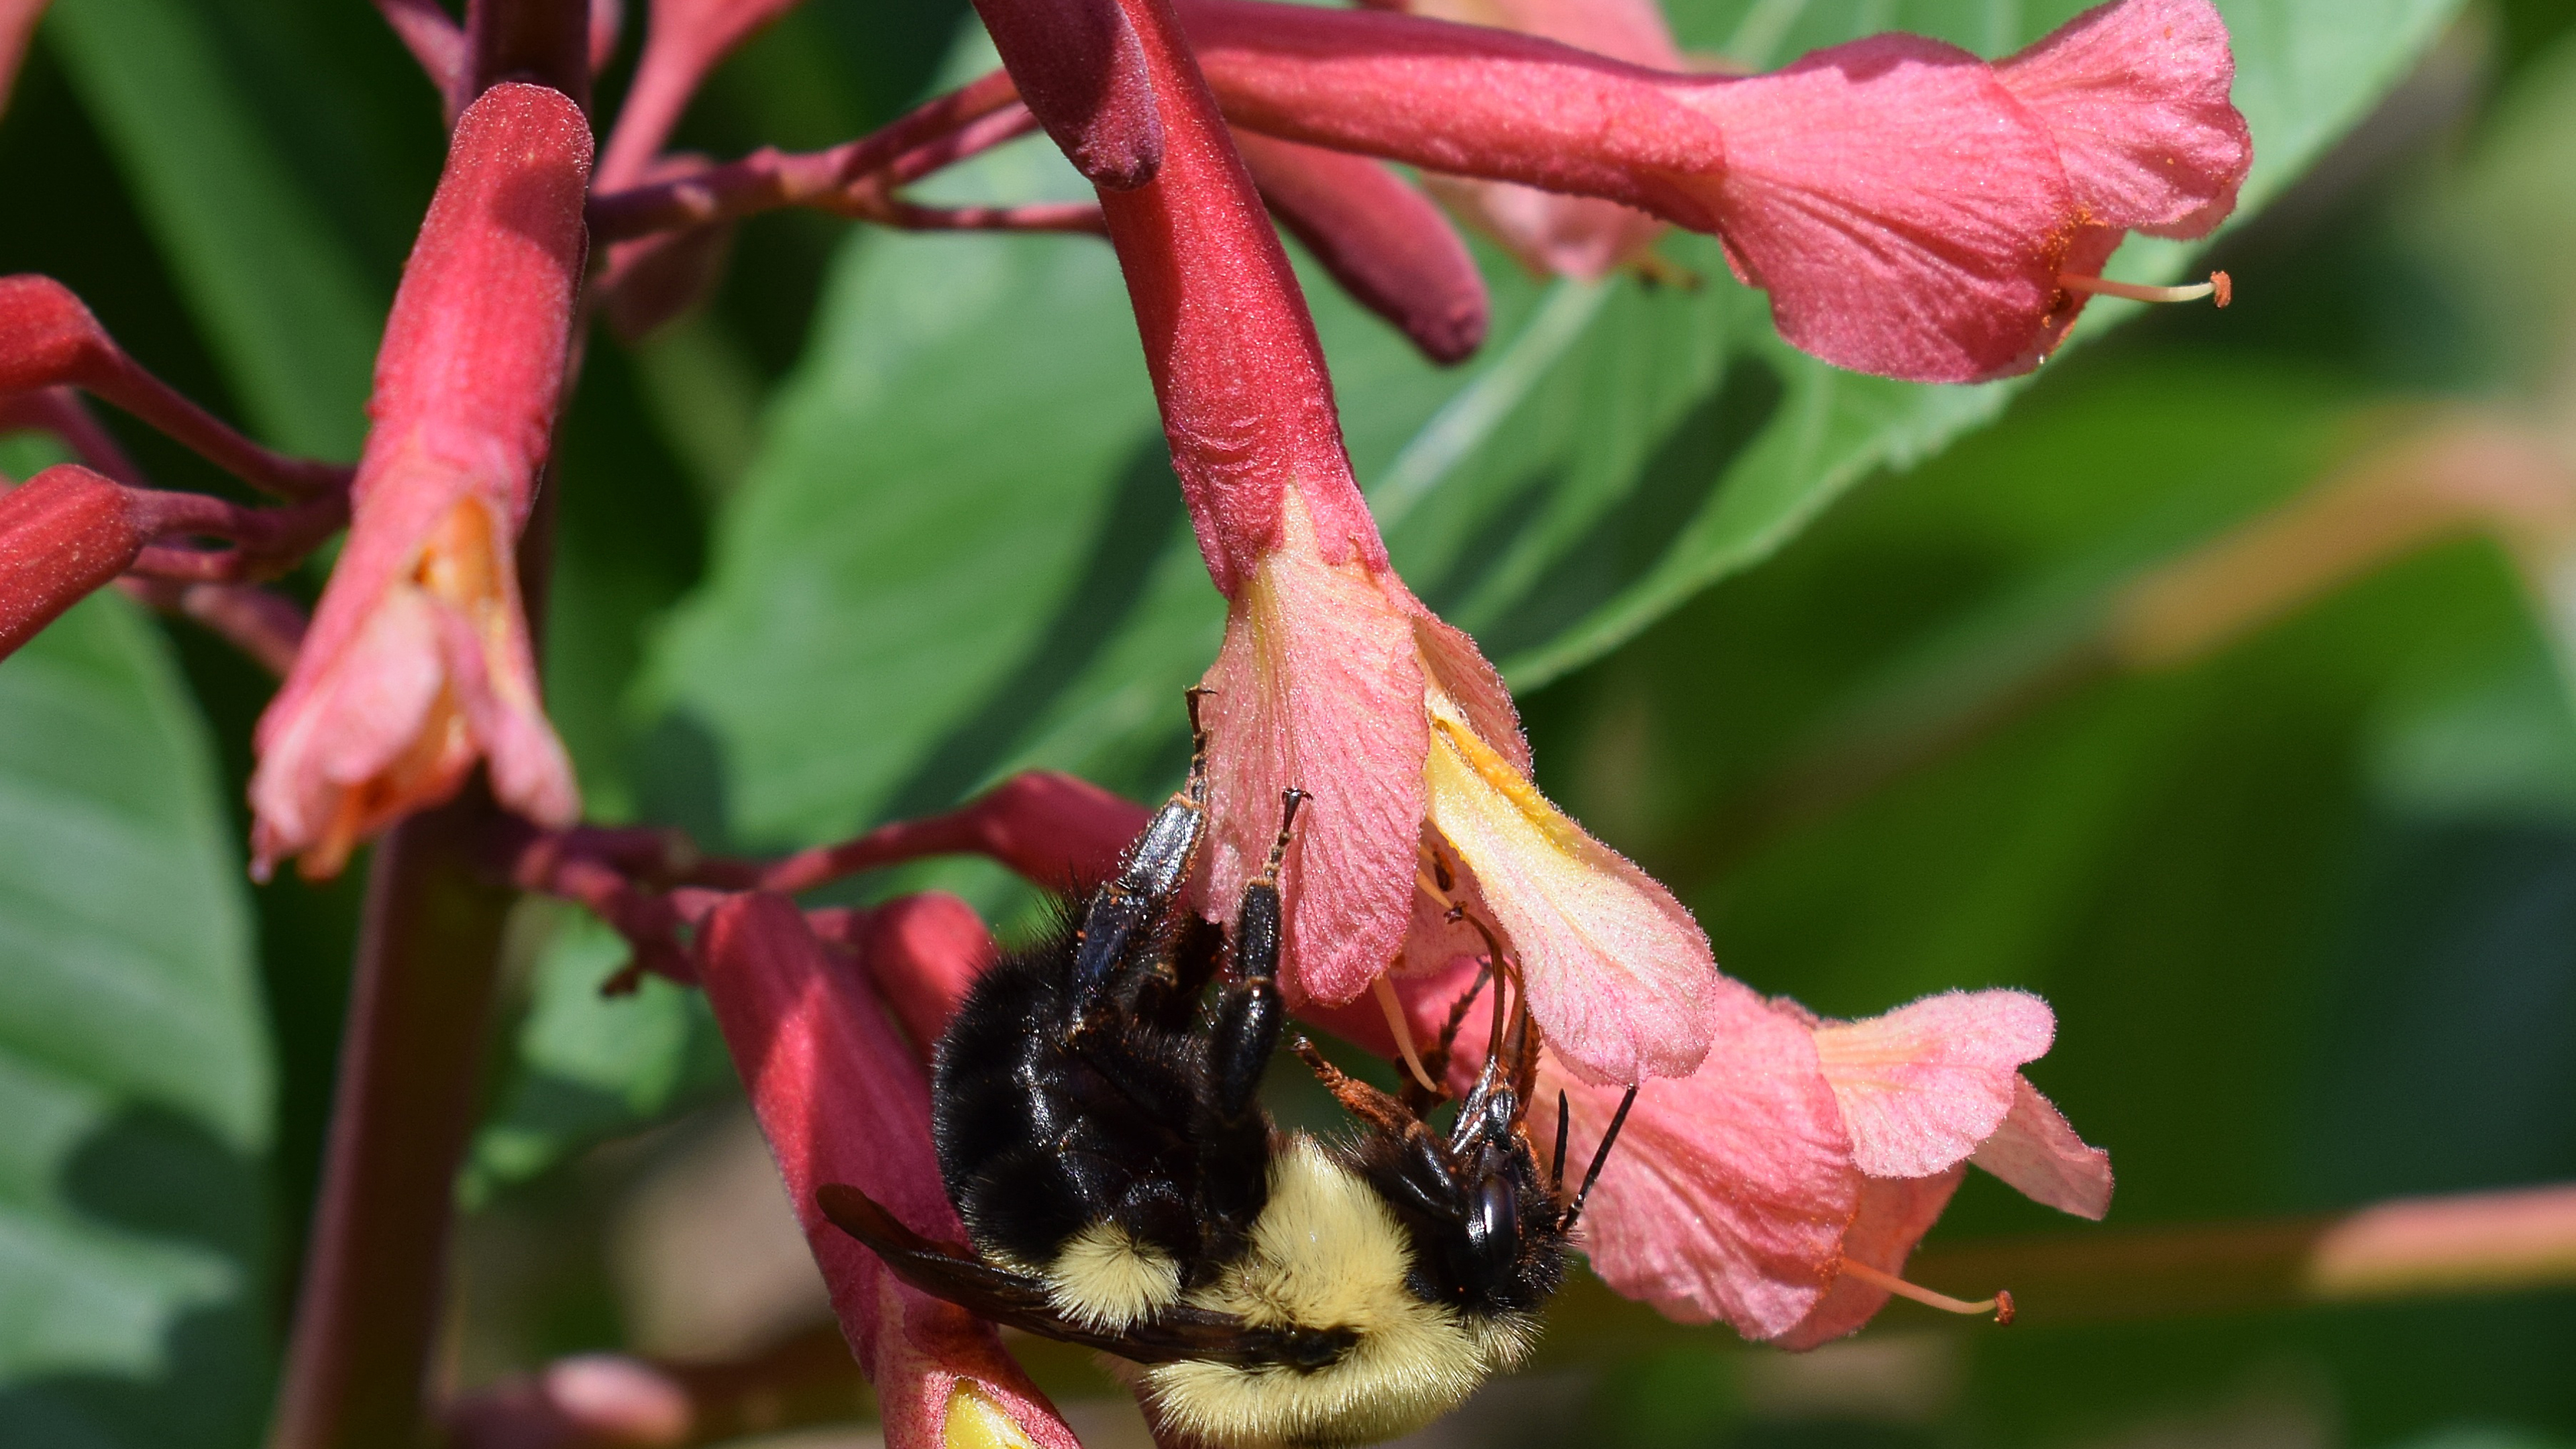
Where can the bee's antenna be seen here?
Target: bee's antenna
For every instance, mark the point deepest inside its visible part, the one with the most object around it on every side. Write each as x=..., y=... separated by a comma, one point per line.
x=1600, y=1156
x=1564, y=1121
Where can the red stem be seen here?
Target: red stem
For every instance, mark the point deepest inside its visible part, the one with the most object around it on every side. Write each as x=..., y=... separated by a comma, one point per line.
x=769, y=179
x=269, y=540
x=266, y=626
x=428, y=957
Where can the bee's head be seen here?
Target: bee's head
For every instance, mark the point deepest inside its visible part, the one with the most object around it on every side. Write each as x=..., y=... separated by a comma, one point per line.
x=1506, y=1252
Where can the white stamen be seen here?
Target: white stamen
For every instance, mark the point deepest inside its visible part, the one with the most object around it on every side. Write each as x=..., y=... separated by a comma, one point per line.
x=2001, y=1305
x=2218, y=286
x=1403, y=1030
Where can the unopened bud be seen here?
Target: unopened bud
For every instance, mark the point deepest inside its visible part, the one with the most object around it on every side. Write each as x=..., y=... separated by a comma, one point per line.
x=63, y=533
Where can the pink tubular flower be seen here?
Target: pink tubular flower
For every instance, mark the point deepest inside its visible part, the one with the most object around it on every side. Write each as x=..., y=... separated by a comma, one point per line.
x=1335, y=679
x=1577, y=236
x=419, y=660
x=1911, y=209
x=1782, y=1186
x=843, y=1100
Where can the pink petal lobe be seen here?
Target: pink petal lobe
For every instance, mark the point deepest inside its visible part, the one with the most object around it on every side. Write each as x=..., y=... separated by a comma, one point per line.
x=1906, y=214
x=1620, y=978
x=2136, y=93
x=1923, y=1085
x=1894, y=1215
x=1728, y=1191
x=2038, y=1153
x=1317, y=687
x=842, y=1099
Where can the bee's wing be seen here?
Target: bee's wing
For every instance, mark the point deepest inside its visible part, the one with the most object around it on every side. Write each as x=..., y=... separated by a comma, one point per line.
x=1020, y=1299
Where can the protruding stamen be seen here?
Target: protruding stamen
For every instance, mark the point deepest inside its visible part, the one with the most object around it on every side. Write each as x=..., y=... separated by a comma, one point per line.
x=2001, y=1305
x=2218, y=287
x=1403, y=1030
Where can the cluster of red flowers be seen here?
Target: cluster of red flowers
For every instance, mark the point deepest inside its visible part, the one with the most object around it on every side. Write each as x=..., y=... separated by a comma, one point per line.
x=1911, y=210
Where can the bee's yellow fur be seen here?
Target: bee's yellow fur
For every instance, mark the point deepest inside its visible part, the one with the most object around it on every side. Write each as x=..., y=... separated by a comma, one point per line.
x=1328, y=1253
x=1105, y=1279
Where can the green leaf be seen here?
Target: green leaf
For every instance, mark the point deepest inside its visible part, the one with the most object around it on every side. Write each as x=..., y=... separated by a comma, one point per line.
x=283, y=304
x=587, y=1067
x=134, y=1060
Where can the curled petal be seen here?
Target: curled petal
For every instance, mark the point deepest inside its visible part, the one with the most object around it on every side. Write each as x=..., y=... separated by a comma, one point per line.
x=1728, y=1191
x=2038, y=1152
x=1317, y=687
x=1894, y=1215
x=1620, y=977
x=1906, y=214
x=2135, y=93
x=1922, y=1085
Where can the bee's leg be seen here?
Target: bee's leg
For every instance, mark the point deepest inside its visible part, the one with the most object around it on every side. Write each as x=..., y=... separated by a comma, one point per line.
x=1127, y=915
x=1234, y=1169
x=1248, y=1013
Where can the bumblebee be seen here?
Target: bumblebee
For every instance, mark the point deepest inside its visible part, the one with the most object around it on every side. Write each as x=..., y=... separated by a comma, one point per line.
x=1098, y=1128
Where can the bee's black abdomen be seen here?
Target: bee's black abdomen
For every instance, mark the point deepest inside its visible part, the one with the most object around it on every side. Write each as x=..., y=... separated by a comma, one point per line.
x=1044, y=1130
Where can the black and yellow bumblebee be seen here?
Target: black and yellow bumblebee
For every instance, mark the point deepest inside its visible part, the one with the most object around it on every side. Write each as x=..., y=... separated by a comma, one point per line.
x=1096, y=1112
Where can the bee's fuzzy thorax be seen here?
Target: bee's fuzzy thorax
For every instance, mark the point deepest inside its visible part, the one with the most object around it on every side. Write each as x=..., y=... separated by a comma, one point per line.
x=1328, y=1253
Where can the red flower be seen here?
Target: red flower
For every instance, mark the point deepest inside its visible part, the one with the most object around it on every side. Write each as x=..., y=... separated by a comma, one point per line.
x=418, y=662
x=1335, y=679
x=1912, y=210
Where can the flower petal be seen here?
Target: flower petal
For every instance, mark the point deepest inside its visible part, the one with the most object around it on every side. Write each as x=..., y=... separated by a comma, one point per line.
x=1906, y=214
x=1894, y=1215
x=1727, y=1193
x=1922, y=1085
x=1619, y=976
x=2136, y=94
x=2038, y=1152
x=1317, y=687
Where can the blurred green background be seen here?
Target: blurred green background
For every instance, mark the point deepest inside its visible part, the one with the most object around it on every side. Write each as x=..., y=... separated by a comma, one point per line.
x=1846, y=661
